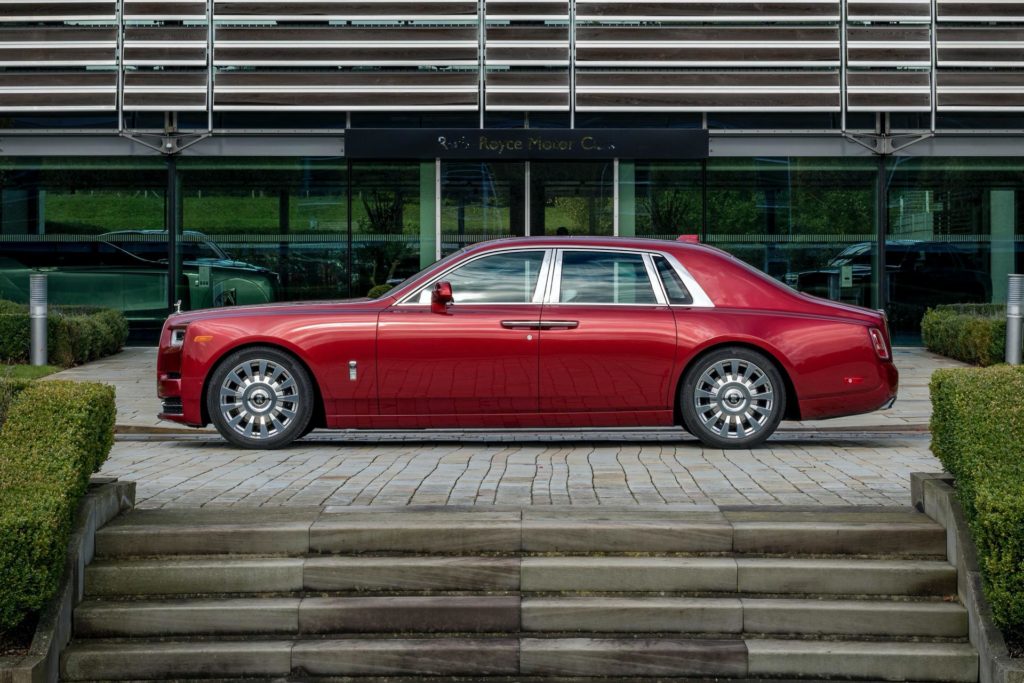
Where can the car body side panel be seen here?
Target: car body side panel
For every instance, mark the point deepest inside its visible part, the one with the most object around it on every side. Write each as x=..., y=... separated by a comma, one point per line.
x=326, y=343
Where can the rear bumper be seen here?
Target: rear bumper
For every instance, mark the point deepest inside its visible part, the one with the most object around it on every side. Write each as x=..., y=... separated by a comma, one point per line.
x=882, y=397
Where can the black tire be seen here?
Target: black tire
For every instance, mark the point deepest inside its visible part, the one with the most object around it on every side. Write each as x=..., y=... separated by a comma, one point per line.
x=732, y=397
x=267, y=398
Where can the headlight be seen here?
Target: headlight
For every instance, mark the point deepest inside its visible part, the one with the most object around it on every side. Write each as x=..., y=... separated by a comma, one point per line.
x=178, y=337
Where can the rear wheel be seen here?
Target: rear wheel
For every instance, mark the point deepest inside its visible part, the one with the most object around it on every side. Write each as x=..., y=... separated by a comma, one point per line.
x=260, y=397
x=732, y=397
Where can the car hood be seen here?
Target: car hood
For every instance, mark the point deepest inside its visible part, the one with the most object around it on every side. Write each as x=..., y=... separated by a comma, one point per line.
x=281, y=308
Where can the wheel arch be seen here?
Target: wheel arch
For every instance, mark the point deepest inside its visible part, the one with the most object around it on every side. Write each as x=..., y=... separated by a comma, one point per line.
x=792, y=400
x=319, y=418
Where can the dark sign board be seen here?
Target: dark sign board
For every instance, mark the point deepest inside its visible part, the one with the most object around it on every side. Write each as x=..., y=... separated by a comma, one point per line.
x=525, y=143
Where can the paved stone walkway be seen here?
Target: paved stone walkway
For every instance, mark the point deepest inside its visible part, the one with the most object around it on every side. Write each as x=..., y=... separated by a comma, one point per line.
x=860, y=460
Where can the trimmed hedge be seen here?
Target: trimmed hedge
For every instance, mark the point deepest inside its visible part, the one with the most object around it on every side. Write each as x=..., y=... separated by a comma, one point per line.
x=978, y=433
x=75, y=334
x=972, y=333
x=379, y=290
x=56, y=435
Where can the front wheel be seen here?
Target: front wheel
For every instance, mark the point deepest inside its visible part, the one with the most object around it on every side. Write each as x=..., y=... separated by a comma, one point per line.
x=732, y=398
x=260, y=397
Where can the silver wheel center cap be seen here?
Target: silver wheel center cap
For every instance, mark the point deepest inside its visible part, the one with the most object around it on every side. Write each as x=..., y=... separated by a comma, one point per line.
x=259, y=400
x=733, y=399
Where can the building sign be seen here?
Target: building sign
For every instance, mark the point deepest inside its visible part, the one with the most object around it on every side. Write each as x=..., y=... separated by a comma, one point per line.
x=525, y=143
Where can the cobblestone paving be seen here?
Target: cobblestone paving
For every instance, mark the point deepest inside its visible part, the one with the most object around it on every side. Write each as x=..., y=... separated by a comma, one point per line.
x=603, y=468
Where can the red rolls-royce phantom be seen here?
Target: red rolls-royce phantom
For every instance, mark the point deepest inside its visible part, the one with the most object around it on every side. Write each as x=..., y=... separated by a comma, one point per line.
x=535, y=332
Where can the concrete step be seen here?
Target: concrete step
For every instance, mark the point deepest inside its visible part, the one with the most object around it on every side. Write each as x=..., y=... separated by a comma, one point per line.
x=292, y=616
x=744, y=615
x=809, y=576
x=512, y=531
x=639, y=574
x=946, y=662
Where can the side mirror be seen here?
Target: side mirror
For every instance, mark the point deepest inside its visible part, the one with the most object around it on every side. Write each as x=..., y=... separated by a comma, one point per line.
x=441, y=297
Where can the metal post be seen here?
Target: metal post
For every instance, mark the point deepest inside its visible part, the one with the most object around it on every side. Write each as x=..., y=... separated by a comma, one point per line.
x=1014, y=318
x=37, y=316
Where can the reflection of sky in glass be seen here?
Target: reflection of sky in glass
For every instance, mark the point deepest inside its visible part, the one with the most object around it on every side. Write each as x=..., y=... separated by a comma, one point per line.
x=502, y=278
x=604, y=278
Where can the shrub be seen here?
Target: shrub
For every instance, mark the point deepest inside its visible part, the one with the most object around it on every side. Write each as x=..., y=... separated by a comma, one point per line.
x=977, y=423
x=972, y=333
x=75, y=334
x=56, y=435
x=379, y=290
x=9, y=388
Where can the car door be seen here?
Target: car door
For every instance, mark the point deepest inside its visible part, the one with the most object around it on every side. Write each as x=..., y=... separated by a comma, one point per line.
x=609, y=339
x=481, y=357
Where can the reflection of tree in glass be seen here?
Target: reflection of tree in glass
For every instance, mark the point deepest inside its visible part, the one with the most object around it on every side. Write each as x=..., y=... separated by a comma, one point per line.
x=384, y=219
x=672, y=211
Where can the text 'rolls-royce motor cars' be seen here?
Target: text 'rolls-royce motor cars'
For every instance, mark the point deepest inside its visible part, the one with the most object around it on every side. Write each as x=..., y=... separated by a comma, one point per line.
x=535, y=332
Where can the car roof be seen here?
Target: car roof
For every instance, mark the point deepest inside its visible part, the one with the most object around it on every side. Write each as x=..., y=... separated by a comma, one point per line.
x=549, y=242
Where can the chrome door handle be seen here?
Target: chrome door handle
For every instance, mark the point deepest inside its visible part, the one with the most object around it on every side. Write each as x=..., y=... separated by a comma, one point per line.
x=559, y=324
x=521, y=324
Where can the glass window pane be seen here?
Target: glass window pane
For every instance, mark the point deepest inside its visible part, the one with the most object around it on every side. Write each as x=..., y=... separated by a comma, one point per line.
x=498, y=279
x=674, y=287
x=598, y=277
x=481, y=201
x=571, y=198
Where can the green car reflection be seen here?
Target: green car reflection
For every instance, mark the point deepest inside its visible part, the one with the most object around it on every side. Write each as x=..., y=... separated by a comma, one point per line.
x=127, y=270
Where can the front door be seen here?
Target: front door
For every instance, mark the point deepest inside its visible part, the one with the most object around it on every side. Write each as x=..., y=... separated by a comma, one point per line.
x=609, y=344
x=477, y=364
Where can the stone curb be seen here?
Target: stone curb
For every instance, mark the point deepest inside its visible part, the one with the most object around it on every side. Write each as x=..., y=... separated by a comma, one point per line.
x=934, y=495
x=105, y=499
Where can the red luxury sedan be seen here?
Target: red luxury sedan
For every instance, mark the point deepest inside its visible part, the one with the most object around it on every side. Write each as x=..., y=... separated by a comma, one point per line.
x=535, y=332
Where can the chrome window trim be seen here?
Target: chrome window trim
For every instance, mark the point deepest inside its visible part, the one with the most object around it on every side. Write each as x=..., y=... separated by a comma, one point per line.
x=538, y=292
x=697, y=293
x=652, y=274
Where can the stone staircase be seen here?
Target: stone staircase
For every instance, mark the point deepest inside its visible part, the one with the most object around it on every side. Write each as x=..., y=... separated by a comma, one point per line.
x=521, y=595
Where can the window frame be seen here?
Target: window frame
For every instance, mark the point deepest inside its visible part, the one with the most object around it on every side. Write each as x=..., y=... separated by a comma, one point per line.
x=414, y=298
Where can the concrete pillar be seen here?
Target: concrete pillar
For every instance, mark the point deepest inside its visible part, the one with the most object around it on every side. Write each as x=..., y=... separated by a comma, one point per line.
x=1002, y=225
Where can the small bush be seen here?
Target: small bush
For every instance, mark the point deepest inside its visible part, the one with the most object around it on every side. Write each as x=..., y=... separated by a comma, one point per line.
x=977, y=424
x=75, y=334
x=972, y=333
x=9, y=388
x=379, y=290
x=56, y=435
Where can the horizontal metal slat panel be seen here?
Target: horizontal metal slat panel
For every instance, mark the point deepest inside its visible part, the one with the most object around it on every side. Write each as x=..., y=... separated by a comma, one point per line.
x=242, y=10
x=708, y=101
x=873, y=10
x=519, y=10
x=169, y=10
x=980, y=91
x=226, y=99
x=49, y=58
x=888, y=90
x=889, y=46
x=528, y=79
x=703, y=11
x=348, y=79
x=961, y=11
x=707, y=57
x=165, y=79
x=734, y=37
x=527, y=34
x=49, y=80
x=165, y=56
x=502, y=100
x=341, y=34
x=350, y=56
x=997, y=46
x=528, y=56
x=50, y=100
x=142, y=100
x=58, y=46
x=57, y=11
x=710, y=80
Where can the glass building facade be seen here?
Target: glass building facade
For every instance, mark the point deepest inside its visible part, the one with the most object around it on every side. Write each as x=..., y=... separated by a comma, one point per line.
x=152, y=153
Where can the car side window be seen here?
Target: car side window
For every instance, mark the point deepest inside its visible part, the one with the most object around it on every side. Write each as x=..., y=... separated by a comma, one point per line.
x=604, y=277
x=674, y=287
x=505, y=278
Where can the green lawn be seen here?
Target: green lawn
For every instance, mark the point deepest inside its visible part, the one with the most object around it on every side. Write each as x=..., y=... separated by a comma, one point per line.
x=27, y=371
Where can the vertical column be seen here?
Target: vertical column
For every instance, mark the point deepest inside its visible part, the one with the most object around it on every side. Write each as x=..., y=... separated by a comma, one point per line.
x=172, y=219
x=625, y=190
x=1002, y=216
x=880, y=298
x=430, y=242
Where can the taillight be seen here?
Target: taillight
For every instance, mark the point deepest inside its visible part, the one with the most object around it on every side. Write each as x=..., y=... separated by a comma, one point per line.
x=878, y=341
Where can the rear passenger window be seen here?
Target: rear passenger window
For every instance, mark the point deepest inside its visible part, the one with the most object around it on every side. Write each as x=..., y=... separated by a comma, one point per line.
x=604, y=277
x=674, y=287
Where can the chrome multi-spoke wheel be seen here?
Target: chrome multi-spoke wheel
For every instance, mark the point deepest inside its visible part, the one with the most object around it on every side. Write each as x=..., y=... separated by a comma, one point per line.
x=260, y=398
x=733, y=398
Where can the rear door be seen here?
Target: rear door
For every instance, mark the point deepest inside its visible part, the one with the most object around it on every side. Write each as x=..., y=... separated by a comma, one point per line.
x=609, y=339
